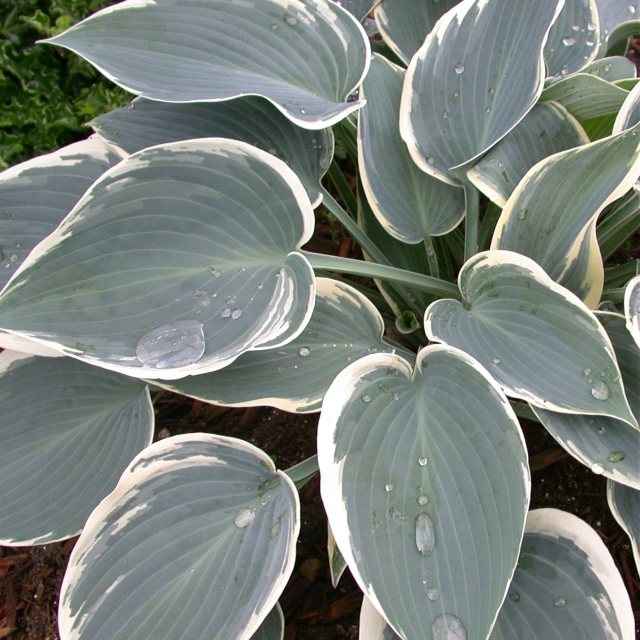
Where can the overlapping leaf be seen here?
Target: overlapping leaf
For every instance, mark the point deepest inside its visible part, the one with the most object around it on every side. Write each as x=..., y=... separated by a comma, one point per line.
x=358, y=8
x=226, y=522
x=629, y=114
x=473, y=80
x=273, y=626
x=534, y=336
x=305, y=57
x=404, y=24
x=566, y=585
x=68, y=431
x=253, y=120
x=551, y=216
x=408, y=203
x=372, y=626
x=547, y=129
x=607, y=446
x=344, y=326
x=632, y=308
x=624, y=503
x=425, y=481
x=613, y=13
x=612, y=69
x=176, y=261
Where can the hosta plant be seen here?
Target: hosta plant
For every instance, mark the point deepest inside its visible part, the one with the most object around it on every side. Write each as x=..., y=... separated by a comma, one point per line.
x=497, y=151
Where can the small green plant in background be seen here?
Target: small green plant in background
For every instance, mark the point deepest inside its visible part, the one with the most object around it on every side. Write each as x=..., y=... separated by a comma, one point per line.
x=47, y=96
x=497, y=147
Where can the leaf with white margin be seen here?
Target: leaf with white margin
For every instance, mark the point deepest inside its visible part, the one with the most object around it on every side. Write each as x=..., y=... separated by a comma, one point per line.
x=24, y=345
x=408, y=203
x=612, y=69
x=37, y=194
x=547, y=129
x=573, y=38
x=629, y=114
x=566, y=585
x=226, y=523
x=305, y=57
x=404, y=24
x=632, y=308
x=372, y=626
x=358, y=8
x=344, y=326
x=624, y=503
x=68, y=431
x=618, y=41
x=175, y=262
x=585, y=96
x=425, y=481
x=605, y=445
x=337, y=563
x=533, y=335
x=612, y=14
x=473, y=80
x=253, y=120
x=272, y=628
x=551, y=216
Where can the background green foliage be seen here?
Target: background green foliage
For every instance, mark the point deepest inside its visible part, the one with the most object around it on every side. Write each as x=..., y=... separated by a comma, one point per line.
x=47, y=94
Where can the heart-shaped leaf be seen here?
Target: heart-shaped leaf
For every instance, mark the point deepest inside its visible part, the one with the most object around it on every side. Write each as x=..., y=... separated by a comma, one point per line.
x=566, y=585
x=607, y=446
x=473, y=80
x=68, y=431
x=226, y=523
x=573, y=38
x=408, y=203
x=250, y=119
x=344, y=326
x=632, y=308
x=305, y=57
x=547, y=129
x=413, y=466
x=206, y=277
x=404, y=24
x=624, y=503
x=551, y=216
x=534, y=336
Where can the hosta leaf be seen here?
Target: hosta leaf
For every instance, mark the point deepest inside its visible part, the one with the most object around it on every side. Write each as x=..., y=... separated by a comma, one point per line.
x=305, y=57
x=404, y=24
x=24, y=345
x=473, y=80
x=547, y=129
x=344, y=326
x=566, y=585
x=629, y=114
x=632, y=308
x=37, y=194
x=534, y=336
x=607, y=446
x=612, y=69
x=613, y=13
x=372, y=626
x=624, y=503
x=204, y=278
x=226, y=523
x=272, y=627
x=358, y=8
x=337, y=563
x=408, y=203
x=425, y=481
x=573, y=38
x=551, y=216
x=618, y=41
x=146, y=123
x=68, y=431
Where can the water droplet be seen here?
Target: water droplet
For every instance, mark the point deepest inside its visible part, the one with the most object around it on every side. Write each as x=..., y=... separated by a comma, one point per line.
x=456, y=94
x=447, y=627
x=559, y=602
x=631, y=8
x=290, y=20
x=607, y=68
x=236, y=313
x=567, y=42
x=304, y=351
x=600, y=391
x=459, y=68
x=175, y=344
x=616, y=456
x=487, y=110
x=587, y=372
x=394, y=513
x=522, y=214
x=302, y=111
x=422, y=461
x=396, y=397
x=601, y=431
x=445, y=115
x=423, y=500
x=18, y=245
x=214, y=272
x=388, y=487
x=431, y=161
x=565, y=70
x=13, y=258
x=365, y=398
x=597, y=468
x=515, y=596
x=225, y=313
x=497, y=361
x=274, y=26
x=425, y=534
x=591, y=26
x=198, y=293
x=244, y=518
x=491, y=91
x=575, y=27
x=433, y=594
x=589, y=43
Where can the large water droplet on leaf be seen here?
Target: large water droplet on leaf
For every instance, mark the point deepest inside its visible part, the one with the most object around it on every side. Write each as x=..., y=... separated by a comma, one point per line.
x=244, y=518
x=425, y=534
x=175, y=344
x=459, y=68
x=600, y=391
x=448, y=627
